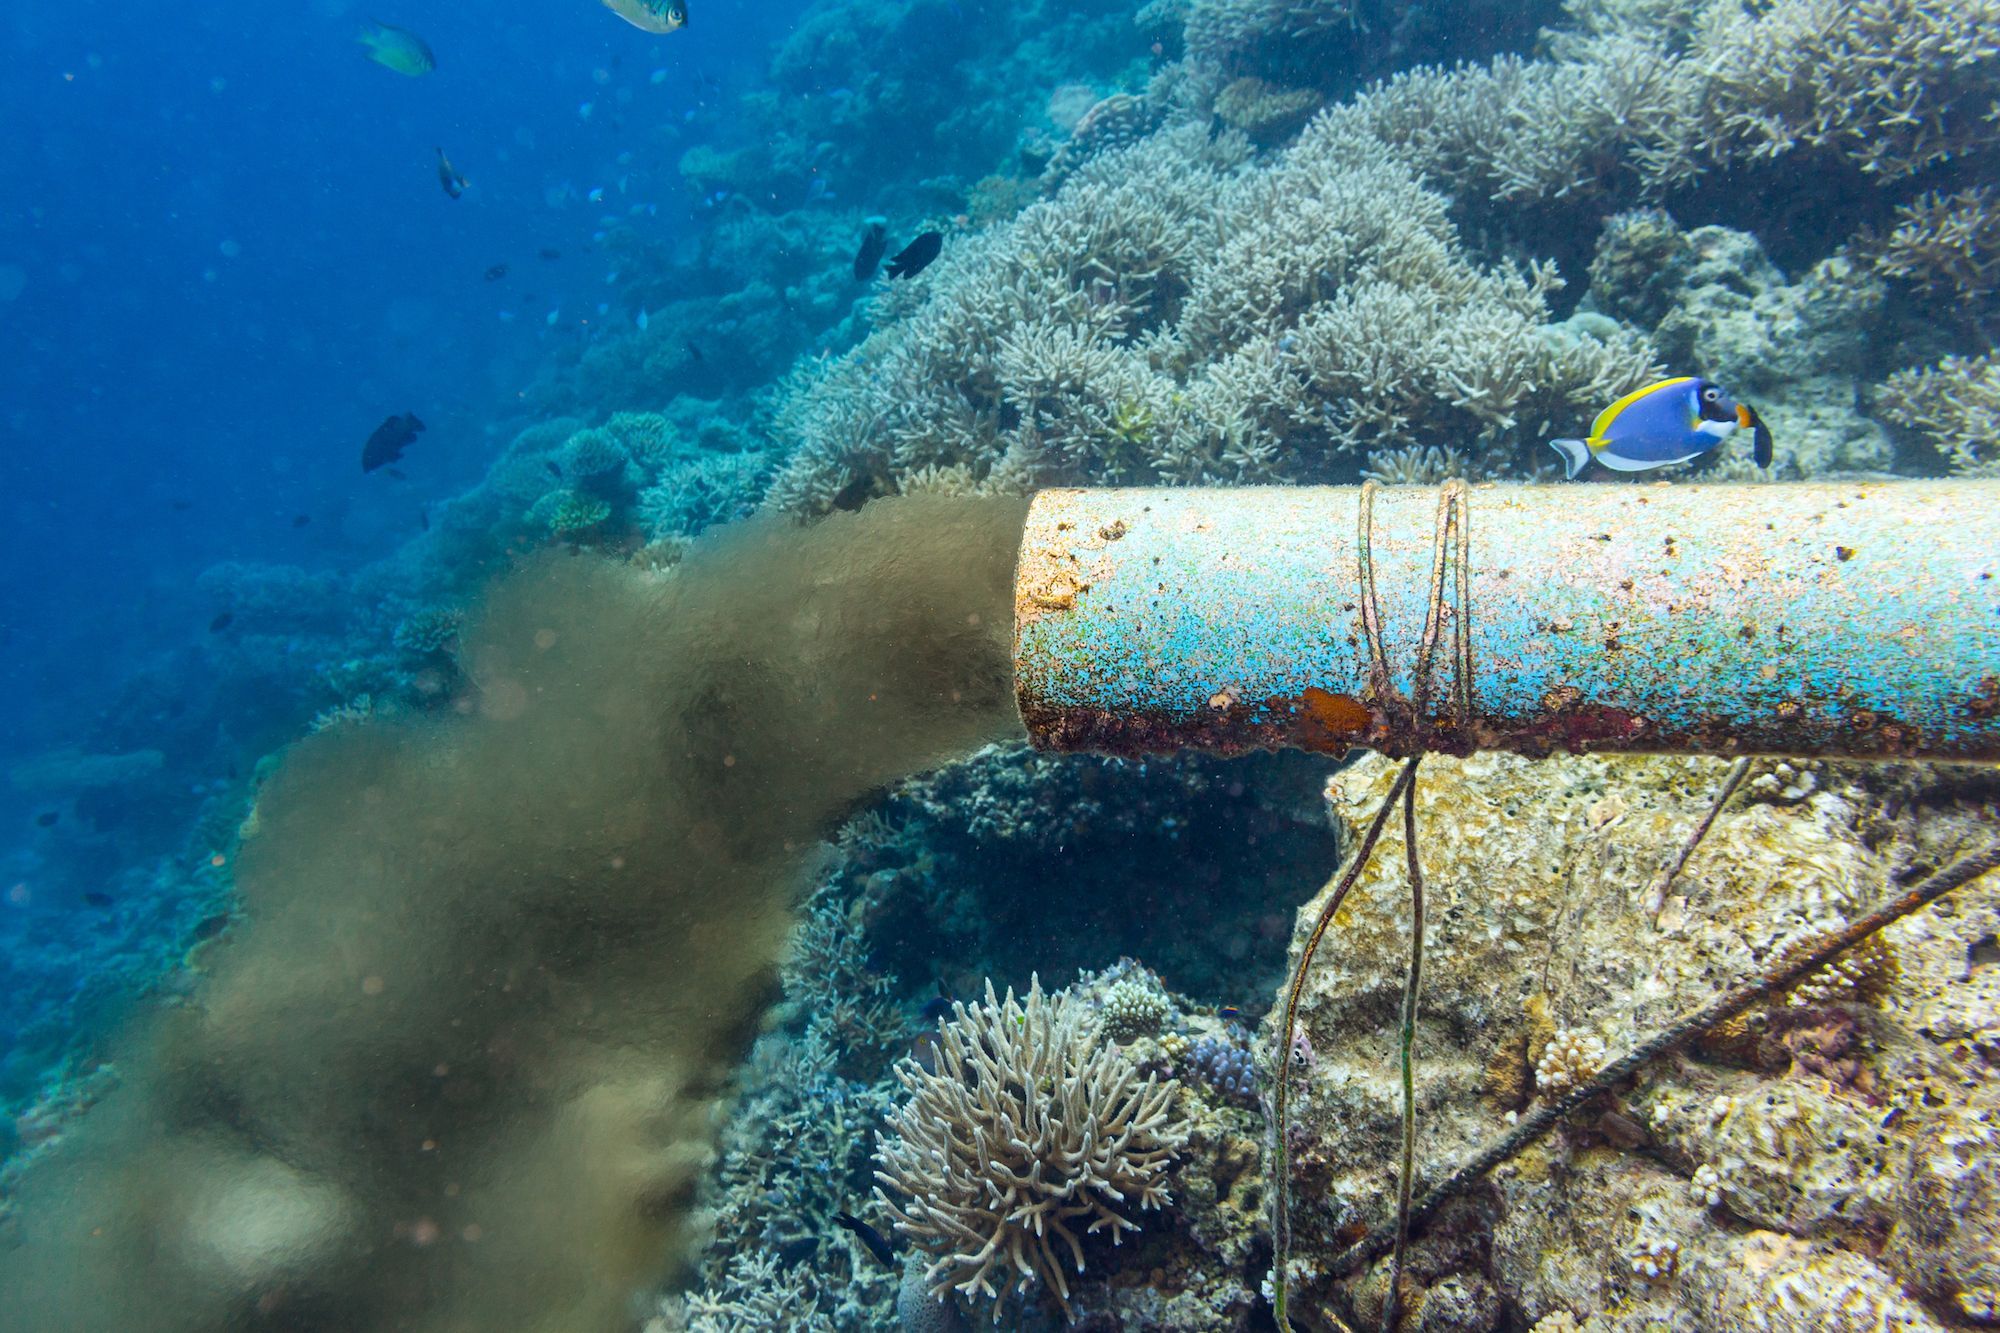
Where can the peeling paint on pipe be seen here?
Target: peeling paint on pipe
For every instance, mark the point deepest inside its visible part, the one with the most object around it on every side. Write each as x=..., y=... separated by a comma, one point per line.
x=1855, y=619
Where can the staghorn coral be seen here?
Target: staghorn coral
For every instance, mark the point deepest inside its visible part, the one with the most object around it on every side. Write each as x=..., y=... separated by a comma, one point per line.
x=797, y=1149
x=1892, y=86
x=1954, y=406
x=1521, y=130
x=570, y=515
x=1414, y=465
x=429, y=632
x=1949, y=244
x=826, y=973
x=1171, y=315
x=1029, y=1132
x=757, y=1296
x=1655, y=95
x=1266, y=112
x=697, y=491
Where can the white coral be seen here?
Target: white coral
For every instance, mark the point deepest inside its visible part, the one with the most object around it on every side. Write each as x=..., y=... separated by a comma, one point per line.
x=1572, y=1056
x=1028, y=1128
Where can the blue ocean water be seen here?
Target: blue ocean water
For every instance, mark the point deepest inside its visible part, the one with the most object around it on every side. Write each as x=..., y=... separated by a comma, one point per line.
x=227, y=257
x=233, y=258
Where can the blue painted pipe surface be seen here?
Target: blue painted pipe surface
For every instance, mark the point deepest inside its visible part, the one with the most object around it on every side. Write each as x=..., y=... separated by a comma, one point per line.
x=1837, y=619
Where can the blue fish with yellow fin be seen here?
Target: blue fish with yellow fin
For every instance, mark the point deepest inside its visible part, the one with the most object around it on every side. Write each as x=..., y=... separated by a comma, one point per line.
x=1664, y=423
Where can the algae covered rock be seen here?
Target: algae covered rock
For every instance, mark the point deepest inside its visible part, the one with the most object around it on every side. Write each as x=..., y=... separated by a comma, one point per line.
x=1748, y=1183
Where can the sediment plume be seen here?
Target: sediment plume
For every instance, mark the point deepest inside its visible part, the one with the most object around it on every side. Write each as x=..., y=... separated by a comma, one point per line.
x=457, y=1068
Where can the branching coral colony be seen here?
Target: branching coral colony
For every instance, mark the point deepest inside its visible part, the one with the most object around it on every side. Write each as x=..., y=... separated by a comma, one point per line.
x=1183, y=311
x=1031, y=1135
x=1175, y=314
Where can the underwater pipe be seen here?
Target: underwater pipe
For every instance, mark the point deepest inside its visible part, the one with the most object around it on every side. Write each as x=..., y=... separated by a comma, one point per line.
x=1849, y=619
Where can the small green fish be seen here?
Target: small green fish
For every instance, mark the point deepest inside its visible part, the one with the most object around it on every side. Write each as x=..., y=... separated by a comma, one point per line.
x=651, y=15
x=398, y=49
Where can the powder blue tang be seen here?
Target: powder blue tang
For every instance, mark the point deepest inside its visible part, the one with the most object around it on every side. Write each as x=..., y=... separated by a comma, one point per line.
x=1669, y=422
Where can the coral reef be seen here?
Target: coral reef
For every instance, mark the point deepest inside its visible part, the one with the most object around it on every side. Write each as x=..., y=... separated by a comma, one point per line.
x=1171, y=315
x=430, y=632
x=1218, y=241
x=1030, y=1132
x=1950, y=244
x=1225, y=1066
x=1266, y=113
x=1334, y=45
x=1718, y=306
x=569, y=515
x=1747, y=1186
x=1134, y=1009
x=765, y=1298
x=1662, y=94
x=1021, y=860
x=1953, y=406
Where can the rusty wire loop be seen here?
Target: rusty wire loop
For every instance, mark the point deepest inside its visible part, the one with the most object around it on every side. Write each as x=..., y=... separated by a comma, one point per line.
x=1451, y=536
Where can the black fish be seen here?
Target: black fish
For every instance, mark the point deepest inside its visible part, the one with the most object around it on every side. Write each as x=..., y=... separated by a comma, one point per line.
x=398, y=474
x=96, y=899
x=937, y=1008
x=915, y=257
x=211, y=926
x=424, y=519
x=868, y=1236
x=874, y=243
x=48, y=818
x=222, y=622
x=694, y=353
x=555, y=468
x=386, y=445
x=497, y=272
x=300, y=520
x=182, y=506
x=448, y=177
x=549, y=252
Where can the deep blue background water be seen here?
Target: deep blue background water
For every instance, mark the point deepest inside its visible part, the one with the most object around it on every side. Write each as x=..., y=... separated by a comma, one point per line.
x=237, y=260
x=233, y=259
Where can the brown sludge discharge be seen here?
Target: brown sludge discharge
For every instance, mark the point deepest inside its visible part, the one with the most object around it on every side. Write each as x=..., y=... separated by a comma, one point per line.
x=456, y=1070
